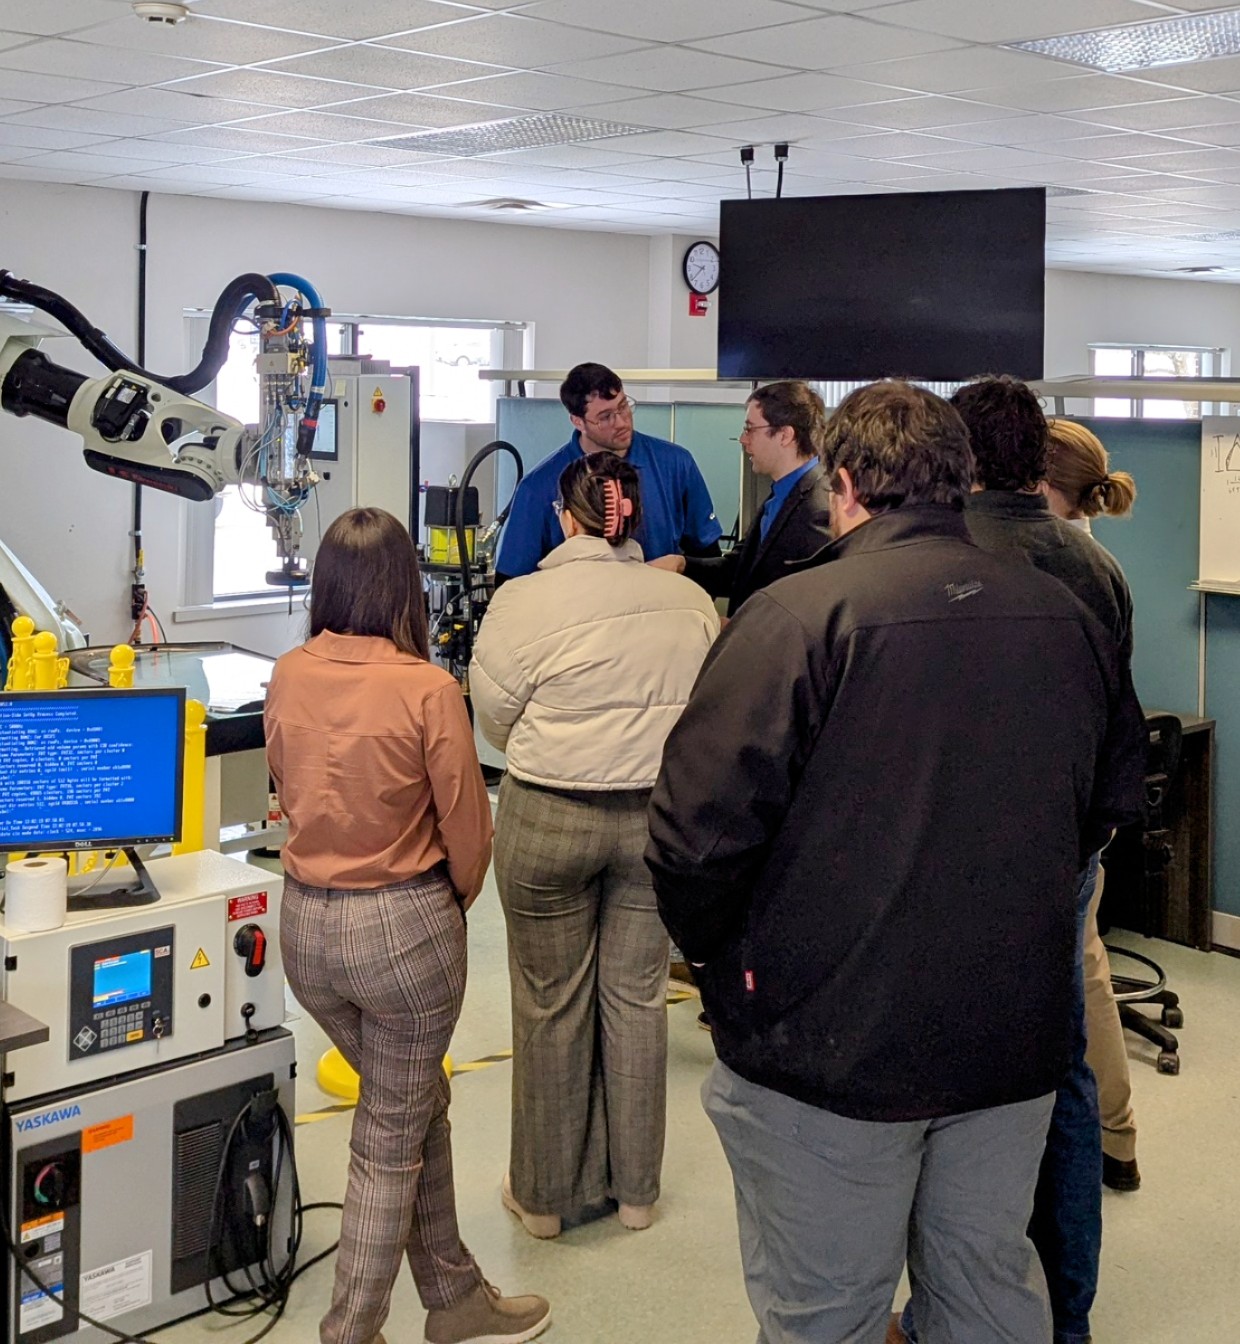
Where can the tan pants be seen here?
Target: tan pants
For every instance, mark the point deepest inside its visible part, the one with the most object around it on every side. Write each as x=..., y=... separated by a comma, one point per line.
x=1105, y=1051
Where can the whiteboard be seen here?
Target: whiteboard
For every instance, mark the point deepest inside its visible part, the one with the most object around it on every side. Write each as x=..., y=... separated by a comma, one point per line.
x=1219, y=562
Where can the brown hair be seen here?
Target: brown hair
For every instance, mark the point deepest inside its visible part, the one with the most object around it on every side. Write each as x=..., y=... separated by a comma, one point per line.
x=592, y=482
x=902, y=445
x=366, y=581
x=1077, y=468
x=798, y=405
x=1007, y=432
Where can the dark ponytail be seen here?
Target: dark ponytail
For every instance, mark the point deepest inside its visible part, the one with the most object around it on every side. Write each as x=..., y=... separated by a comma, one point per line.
x=603, y=492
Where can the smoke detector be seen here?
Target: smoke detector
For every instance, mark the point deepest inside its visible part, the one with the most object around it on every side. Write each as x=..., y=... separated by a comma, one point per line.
x=156, y=11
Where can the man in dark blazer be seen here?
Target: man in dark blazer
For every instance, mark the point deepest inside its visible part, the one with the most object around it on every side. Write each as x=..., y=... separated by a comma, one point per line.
x=784, y=424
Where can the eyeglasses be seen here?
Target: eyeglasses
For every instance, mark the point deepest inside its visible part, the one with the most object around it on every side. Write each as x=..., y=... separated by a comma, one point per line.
x=608, y=418
x=747, y=429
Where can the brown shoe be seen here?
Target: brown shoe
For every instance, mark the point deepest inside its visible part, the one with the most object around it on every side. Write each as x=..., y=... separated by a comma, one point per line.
x=1119, y=1175
x=487, y=1317
x=894, y=1334
x=680, y=972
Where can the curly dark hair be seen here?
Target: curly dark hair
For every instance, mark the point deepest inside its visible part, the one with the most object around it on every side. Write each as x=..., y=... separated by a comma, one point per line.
x=585, y=381
x=1007, y=431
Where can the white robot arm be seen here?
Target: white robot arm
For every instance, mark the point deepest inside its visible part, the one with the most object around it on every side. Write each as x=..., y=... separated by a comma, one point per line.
x=131, y=426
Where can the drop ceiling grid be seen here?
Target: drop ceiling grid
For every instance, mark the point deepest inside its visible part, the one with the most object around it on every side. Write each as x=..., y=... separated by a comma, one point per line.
x=874, y=95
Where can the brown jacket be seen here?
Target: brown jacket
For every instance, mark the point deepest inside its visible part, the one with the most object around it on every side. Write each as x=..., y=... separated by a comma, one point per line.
x=373, y=759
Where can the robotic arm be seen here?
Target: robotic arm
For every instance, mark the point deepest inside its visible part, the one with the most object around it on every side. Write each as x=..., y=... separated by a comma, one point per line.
x=153, y=432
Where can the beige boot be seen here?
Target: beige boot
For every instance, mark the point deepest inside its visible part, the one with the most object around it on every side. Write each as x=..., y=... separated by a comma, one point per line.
x=636, y=1217
x=487, y=1317
x=544, y=1226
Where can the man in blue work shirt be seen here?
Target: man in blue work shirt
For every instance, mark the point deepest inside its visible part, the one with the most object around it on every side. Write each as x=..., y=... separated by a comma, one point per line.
x=677, y=515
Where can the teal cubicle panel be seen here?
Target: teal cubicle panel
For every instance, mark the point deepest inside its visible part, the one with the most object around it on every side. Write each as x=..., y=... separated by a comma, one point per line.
x=1223, y=706
x=710, y=433
x=1157, y=548
x=537, y=426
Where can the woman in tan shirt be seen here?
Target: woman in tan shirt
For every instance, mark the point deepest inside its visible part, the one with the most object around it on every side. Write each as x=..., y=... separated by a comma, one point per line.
x=389, y=840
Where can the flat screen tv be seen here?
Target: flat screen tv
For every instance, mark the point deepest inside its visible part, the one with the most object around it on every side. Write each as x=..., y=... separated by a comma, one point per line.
x=937, y=285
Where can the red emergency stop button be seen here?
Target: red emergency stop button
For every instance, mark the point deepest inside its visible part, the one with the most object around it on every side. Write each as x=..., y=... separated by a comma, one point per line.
x=378, y=402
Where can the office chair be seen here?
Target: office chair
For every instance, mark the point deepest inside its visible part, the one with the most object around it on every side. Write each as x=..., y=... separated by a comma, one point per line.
x=1152, y=858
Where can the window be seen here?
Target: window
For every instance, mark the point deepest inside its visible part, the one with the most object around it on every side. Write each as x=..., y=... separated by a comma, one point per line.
x=1153, y=361
x=231, y=556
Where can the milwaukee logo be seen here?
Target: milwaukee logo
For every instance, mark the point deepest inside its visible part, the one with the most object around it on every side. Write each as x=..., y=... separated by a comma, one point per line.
x=957, y=592
x=45, y=1118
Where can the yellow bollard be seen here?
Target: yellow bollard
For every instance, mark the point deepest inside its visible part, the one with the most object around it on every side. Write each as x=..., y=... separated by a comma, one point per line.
x=120, y=667
x=49, y=670
x=18, y=676
x=194, y=793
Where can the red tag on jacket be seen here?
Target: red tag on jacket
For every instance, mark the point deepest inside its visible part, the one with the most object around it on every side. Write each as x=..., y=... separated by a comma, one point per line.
x=749, y=981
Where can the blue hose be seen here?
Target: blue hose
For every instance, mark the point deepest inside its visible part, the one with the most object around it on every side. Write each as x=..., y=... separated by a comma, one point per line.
x=318, y=383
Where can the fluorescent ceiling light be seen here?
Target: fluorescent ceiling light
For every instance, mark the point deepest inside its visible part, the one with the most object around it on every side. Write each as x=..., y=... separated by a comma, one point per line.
x=512, y=133
x=1141, y=46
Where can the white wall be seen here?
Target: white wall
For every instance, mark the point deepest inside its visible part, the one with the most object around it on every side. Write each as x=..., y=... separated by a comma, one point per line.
x=618, y=298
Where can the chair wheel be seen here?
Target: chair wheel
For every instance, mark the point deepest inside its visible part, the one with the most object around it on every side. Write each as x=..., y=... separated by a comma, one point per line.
x=1173, y=1018
x=1167, y=1062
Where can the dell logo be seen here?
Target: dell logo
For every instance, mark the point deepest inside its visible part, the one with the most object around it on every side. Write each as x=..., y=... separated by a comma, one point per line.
x=45, y=1118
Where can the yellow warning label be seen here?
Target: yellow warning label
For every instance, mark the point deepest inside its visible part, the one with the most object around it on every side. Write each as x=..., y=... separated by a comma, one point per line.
x=200, y=961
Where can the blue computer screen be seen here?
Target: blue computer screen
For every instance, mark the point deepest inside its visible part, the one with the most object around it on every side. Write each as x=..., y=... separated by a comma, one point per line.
x=90, y=769
x=122, y=979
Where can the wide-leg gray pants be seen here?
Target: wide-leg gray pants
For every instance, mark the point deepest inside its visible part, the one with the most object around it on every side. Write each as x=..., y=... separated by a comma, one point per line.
x=831, y=1208
x=383, y=973
x=587, y=957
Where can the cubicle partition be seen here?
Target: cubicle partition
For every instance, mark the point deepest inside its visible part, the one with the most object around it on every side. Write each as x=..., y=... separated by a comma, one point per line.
x=1187, y=647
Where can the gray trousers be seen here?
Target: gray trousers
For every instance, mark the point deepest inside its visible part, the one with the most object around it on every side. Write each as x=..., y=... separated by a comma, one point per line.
x=830, y=1209
x=587, y=957
x=383, y=973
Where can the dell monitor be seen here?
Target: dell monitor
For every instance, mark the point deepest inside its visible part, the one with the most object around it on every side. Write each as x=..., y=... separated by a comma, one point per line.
x=92, y=770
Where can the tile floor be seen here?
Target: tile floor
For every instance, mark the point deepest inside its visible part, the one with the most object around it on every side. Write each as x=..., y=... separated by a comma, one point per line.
x=1170, y=1261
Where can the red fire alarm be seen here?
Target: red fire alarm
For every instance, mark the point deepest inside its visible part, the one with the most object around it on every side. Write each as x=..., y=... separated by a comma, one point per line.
x=699, y=305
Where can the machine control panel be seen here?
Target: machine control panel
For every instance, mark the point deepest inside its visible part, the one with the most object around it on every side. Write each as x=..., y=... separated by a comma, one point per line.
x=120, y=992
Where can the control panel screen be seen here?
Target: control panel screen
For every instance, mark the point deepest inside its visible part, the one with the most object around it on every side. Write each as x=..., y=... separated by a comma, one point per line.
x=122, y=979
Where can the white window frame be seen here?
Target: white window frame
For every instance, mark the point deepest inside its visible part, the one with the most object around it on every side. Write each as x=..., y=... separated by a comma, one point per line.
x=1215, y=364
x=199, y=598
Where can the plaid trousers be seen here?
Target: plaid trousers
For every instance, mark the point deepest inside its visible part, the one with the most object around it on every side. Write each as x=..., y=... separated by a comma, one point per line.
x=587, y=957
x=383, y=973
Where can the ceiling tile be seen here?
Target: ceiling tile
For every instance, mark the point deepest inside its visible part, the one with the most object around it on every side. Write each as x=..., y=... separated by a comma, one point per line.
x=671, y=69
x=32, y=88
x=173, y=106
x=331, y=18
x=834, y=42
x=1221, y=75
x=542, y=93
x=1105, y=148
x=512, y=39
x=206, y=174
x=810, y=91
x=358, y=156
x=960, y=70
x=266, y=86
x=382, y=67
x=14, y=134
x=1074, y=93
x=1196, y=161
x=573, y=156
x=87, y=164
x=659, y=21
x=422, y=109
x=240, y=139
x=91, y=119
x=671, y=144
x=166, y=151
x=889, y=145
x=1032, y=131
x=11, y=107
x=325, y=126
x=37, y=16
x=663, y=111
x=985, y=159
x=1182, y=115
x=80, y=60
x=16, y=153
x=917, y=113
x=27, y=171
x=988, y=21
x=793, y=127
x=203, y=39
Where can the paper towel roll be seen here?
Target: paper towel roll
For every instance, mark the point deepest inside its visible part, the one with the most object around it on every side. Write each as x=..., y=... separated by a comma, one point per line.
x=35, y=894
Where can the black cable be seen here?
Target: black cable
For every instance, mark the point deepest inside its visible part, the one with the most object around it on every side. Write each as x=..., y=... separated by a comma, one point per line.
x=779, y=180
x=235, y=297
x=467, y=578
x=272, y=1292
x=748, y=184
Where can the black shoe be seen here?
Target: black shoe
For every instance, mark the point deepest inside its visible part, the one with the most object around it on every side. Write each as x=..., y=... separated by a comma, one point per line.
x=1120, y=1175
